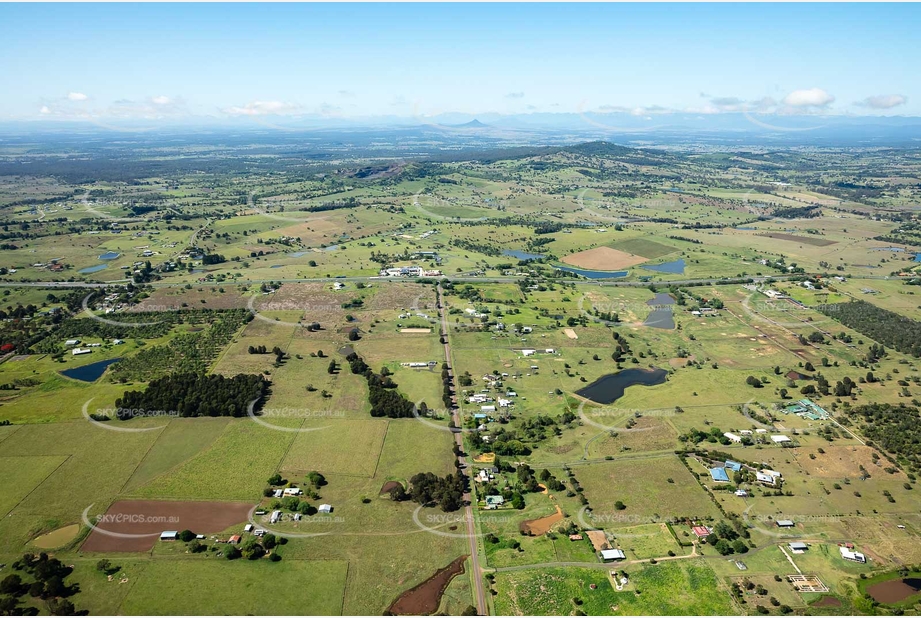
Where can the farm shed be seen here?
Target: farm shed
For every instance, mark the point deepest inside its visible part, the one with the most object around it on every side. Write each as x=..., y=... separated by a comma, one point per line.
x=607, y=555
x=169, y=535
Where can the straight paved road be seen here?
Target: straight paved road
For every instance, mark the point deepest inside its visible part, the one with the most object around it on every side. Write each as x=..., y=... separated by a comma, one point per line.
x=482, y=608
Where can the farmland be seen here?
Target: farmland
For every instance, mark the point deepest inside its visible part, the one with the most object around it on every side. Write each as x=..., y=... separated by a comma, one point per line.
x=276, y=277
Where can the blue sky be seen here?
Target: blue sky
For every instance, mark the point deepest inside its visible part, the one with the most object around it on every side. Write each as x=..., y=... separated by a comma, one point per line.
x=355, y=60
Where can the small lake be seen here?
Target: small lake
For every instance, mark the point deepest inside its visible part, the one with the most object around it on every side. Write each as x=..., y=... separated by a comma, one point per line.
x=608, y=389
x=673, y=268
x=299, y=253
x=745, y=227
x=91, y=372
x=594, y=274
x=276, y=266
x=109, y=255
x=93, y=269
x=522, y=255
x=661, y=316
x=895, y=590
x=331, y=248
x=918, y=257
x=892, y=249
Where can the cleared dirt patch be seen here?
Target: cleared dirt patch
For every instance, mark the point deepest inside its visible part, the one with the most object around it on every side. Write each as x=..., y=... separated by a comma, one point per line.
x=426, y=597
x=151, y=517
x=603, y=258
x=57, y=538
x=415, y=330
x=806, y=240
x=827, y=602
x=570, y=333
x=598, y=539
x=390, y=485
x=537, y=527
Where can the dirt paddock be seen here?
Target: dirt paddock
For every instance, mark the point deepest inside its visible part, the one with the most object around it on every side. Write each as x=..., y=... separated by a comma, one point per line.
x=603, y=258
x=151, y=517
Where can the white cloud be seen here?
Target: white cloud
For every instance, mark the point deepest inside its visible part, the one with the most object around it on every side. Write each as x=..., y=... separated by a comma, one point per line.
x=77, y=96
x=263, y=108
x=812, y=97
x=161, y=100
x=45, y=110
x=348, y=94
x=884, y=101
x=515, y=95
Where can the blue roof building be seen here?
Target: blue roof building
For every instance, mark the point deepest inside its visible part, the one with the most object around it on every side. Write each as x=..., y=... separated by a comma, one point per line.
x=719, y=474
x=733, y=465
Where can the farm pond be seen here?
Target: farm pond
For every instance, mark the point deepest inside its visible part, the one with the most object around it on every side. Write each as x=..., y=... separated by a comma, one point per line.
x=608, y=389
x=91, y=372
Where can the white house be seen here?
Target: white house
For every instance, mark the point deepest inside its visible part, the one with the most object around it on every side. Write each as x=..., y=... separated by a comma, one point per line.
x=779, y=439
x=325, y=508
x=79, y=351
x=528, y=352
x=292, y=491
x=849, y=554
x=732, y=437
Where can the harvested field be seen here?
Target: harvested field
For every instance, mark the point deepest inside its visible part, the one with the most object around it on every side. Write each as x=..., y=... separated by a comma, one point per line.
x=148, y=518
x=57, y=538
x=415, y=330
x=845, y=461
x=426, y=597
x=806, y=240
x=173, y=299
x=537, y=527
x=603, y=258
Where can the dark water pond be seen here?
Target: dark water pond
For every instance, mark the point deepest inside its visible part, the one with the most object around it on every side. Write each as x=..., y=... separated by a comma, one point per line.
x=895, y=590
x=661, y=316
x=608, y=389
x=109, y=255
x=91, y=372
x=594, y=274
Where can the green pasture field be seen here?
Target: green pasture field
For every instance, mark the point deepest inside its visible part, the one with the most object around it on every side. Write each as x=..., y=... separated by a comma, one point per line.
x=234, y=467
x=642, y=485
x=214, y=587
x=680, y=587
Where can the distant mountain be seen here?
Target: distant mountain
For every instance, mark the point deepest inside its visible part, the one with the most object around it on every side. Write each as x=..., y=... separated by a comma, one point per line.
x=473, y=124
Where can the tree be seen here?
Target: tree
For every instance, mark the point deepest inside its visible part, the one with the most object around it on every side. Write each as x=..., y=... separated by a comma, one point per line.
x=61, y=607
x=620, y=506
x=186, y=535
x=232, y=553
x=12, y=585
x=276, y=480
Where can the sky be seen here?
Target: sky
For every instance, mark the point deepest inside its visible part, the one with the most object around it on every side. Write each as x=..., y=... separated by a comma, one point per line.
x=186, y=61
